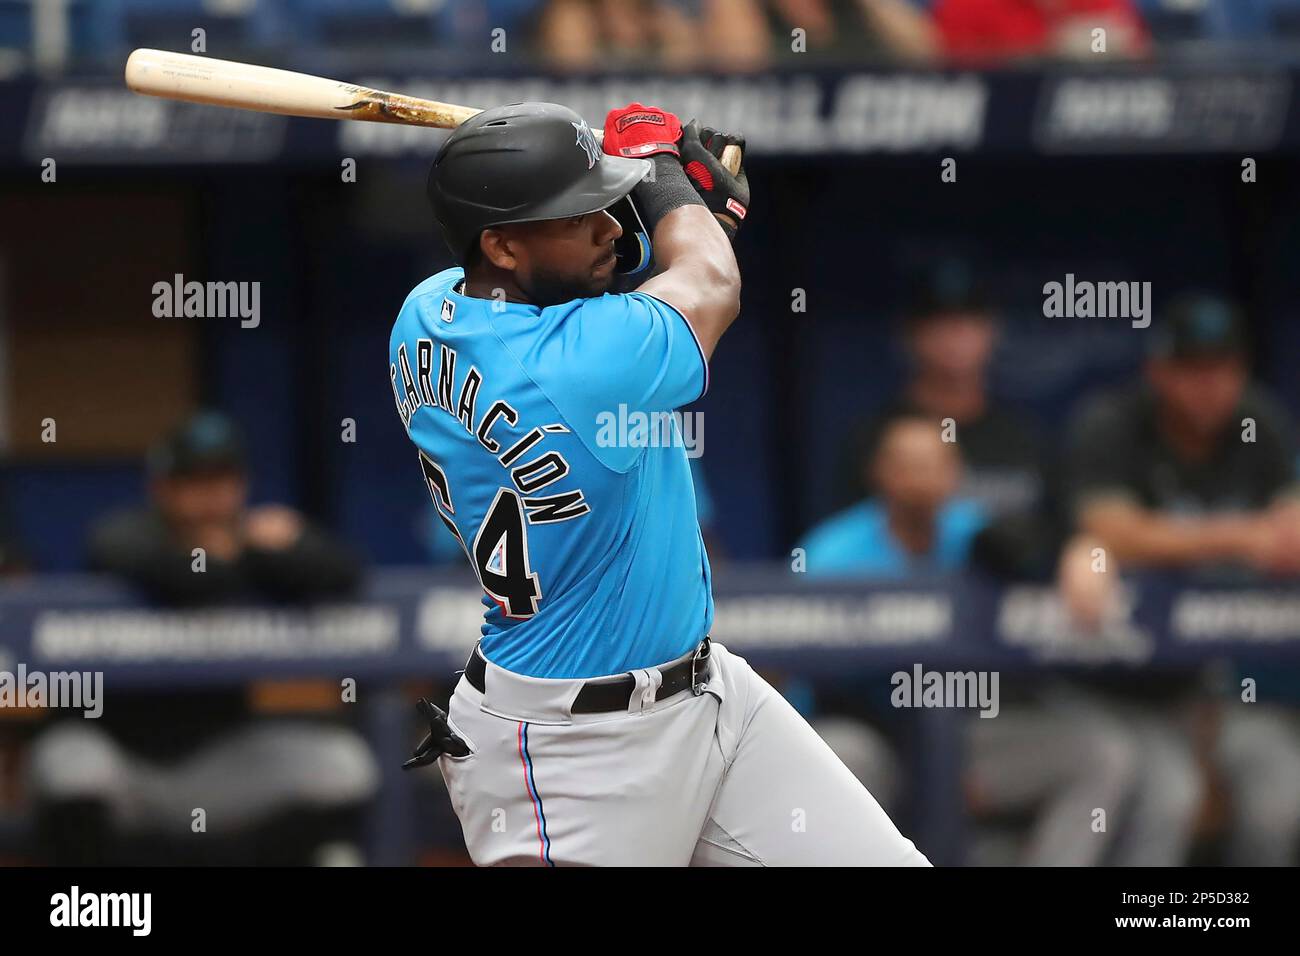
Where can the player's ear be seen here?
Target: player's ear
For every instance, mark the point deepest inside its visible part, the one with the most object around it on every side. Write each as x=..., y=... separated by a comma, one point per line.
x=496, y=249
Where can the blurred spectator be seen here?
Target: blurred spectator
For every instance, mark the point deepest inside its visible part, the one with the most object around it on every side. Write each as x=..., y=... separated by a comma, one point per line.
x=1220, y=20
x=123, y=788
x=996, y=31
x=882, y=28
x=722, y=35
x=814, y=17
x=729, y=35
x=1052, y=753
x=899, y=27
x=199, y=499
x=1192, y=470
x=914, y=522
x=950, y=334
x=1055, y=760
x=1195, y=467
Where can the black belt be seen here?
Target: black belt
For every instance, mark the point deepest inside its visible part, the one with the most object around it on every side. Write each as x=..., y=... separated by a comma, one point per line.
x=598, y=697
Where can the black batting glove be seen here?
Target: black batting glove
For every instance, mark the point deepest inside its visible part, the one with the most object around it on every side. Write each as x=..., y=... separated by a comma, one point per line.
x=726, y=194
x=440, y=740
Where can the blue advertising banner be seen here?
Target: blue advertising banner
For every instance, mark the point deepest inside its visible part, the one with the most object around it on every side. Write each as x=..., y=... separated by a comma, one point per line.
x=854, y=113
x=420, y=623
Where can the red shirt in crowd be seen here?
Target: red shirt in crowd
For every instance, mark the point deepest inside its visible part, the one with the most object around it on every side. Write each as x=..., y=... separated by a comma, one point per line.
x=996, y=29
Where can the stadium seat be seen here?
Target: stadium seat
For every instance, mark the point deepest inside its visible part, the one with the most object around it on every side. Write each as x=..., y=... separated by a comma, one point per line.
x=15, y=24
x=441, y=23
x=92, y=29
x=1220, y=20
x=230, y=24
x=1286, y=19
x=364, y=22
x=51, y=507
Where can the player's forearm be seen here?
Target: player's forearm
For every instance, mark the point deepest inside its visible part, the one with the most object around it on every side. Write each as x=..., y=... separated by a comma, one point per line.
x=170, y=577
x=700, y=277
x=315, y=567
x=692, y=218
x=691, y=245
x=1141, y=537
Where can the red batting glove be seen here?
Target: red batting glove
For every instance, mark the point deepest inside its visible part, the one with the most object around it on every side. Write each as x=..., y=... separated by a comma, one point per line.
x=640, y=131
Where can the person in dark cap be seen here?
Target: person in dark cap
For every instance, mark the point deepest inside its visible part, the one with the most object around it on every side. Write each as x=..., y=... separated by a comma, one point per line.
x=1192, y=469
x=949, y=331
x=1194, y=466
x=122, y=790
x=198, y=486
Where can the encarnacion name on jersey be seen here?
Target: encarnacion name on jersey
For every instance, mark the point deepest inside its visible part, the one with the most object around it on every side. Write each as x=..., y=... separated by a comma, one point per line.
x=529, y=476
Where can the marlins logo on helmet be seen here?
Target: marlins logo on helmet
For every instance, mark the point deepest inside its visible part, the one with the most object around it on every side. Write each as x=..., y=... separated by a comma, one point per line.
x=587, y=140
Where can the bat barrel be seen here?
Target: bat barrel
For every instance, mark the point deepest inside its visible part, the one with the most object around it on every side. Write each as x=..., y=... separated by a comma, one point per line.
x=197, y=79
x=200, y=79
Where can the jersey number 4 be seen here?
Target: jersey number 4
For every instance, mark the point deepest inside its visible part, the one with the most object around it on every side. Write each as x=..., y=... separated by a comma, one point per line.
x=499, y=553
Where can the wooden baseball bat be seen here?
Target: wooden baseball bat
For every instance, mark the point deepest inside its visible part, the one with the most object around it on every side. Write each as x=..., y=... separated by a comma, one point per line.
x=198, y=79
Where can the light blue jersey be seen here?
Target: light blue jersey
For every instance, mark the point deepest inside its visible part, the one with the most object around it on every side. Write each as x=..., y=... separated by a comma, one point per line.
x=582, y=531
x=857, y=542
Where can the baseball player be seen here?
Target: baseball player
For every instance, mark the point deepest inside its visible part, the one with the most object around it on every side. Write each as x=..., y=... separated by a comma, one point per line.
x=595, y=723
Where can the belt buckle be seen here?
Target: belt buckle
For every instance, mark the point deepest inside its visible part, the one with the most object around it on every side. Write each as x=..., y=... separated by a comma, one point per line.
x=701, y=654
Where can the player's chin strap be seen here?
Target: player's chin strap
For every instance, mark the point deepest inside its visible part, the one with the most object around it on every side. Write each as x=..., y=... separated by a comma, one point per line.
x=633, y=247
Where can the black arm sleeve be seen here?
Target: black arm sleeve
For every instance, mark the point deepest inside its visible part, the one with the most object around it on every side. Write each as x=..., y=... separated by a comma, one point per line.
x=1275, y=452
x=316, y=567
x=137, y=548
x=1102, y=449
x=1022, y=546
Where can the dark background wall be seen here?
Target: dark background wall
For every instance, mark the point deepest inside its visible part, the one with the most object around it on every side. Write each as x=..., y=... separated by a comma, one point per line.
x=335, y=261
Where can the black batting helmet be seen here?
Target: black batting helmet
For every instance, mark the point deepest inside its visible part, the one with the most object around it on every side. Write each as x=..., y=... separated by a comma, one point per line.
x=527, y=162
